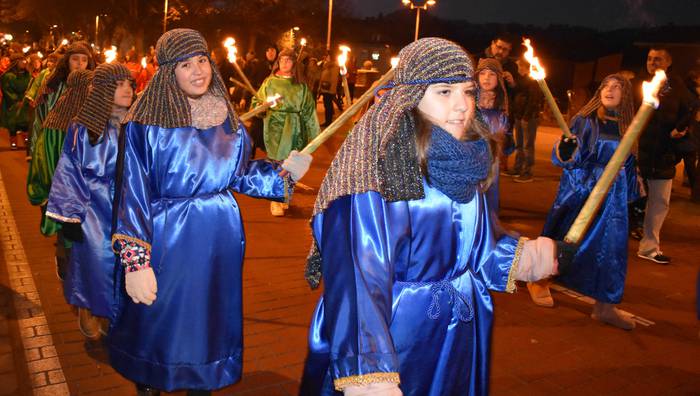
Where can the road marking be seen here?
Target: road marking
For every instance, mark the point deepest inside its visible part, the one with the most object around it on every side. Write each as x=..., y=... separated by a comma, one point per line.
x=578, y=296
x=44, y=367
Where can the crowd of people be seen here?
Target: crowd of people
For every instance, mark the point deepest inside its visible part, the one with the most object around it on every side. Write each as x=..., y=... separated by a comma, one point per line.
x=134, y=166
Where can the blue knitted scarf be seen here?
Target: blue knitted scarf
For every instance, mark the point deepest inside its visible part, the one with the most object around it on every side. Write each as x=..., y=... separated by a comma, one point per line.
x=457, y=167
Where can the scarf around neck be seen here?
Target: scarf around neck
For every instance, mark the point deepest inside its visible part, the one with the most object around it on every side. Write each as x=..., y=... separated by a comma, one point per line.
x=457, y=167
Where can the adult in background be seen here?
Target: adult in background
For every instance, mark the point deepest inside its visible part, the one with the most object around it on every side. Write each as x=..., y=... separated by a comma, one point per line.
x=14, y=115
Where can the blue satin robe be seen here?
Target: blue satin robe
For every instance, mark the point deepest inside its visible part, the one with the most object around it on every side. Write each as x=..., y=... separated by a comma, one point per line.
x=497, y=122
x=177, y=196
x=600, y=265
x=82, y=191
x=407, y=291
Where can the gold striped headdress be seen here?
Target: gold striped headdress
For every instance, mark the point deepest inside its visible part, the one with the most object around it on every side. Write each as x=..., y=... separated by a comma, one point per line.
x=625, y=111
x=163, y=103
x=97, y=109
x=70, y=102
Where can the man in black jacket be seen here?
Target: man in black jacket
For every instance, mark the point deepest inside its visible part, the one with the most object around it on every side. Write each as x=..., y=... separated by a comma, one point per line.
x=656, y=158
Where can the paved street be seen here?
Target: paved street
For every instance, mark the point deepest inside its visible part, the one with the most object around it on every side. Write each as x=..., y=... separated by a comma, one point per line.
x=536, y=351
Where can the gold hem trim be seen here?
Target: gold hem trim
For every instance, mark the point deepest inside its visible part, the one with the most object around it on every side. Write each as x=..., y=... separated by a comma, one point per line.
x=510, y=285
x=62, y=219
x=365, y=379
x=137, y=241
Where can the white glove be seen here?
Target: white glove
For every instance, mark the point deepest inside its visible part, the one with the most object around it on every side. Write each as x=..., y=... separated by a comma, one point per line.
x=297, y=164
x=376, y=389
x=141, y=286
x=537, y=261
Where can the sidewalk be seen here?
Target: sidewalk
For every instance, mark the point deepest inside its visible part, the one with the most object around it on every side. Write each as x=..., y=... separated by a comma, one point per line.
x=536, y=351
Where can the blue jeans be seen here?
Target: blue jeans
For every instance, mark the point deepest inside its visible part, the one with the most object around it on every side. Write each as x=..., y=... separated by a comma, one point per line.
x=525, y=132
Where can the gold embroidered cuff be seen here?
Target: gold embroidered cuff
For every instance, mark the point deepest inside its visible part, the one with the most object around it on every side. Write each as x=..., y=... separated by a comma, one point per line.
x=62, y=219
x=365, y=379
x=510, y=285
x=122, y=237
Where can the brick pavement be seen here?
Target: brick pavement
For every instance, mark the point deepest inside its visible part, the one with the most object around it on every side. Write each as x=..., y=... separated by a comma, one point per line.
x=536, y=351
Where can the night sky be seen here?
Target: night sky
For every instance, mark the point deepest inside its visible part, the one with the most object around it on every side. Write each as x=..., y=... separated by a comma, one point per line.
x=598, y=14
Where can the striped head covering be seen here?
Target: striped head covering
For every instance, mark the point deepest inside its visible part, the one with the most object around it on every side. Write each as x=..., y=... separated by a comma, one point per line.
x=380, y=154
x=163, y=103
x=495, y=66
x=625, y=111
x=70, y=102
x=97, y=109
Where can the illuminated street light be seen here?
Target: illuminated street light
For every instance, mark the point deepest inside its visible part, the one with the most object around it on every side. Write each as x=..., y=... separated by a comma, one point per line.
x=418, y=5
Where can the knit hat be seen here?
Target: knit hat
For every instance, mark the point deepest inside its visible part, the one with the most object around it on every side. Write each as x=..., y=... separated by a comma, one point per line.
x=379, y=154
x=97, y=109
x=625, y=111
x=163, y=103
x=495, y=66
x=71, y=100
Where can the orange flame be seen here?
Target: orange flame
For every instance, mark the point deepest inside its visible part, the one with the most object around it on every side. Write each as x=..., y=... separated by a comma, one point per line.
x=536, y=70
x=342, y=58
x=111, y=54
x=230, y=45
x=302, y=42
x=394, y=62
x=651, y=89
x=64, y=42
x=143, y=62
x=26, y=49
x=40, y=54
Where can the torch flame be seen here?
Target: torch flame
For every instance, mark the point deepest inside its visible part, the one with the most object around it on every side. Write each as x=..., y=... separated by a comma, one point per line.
x=230, y=45
x=64, y=42
x=26, y=49
x=272, y=100
x=394, y=62
x=342, y=58
x=651, y=89
x=111, y=54
x=40, y=55
x=143, y=62
x=536, y=70
x=302, y=42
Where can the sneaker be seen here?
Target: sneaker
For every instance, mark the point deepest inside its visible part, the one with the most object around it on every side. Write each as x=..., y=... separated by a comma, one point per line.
x=524, y=178
x=657, y=257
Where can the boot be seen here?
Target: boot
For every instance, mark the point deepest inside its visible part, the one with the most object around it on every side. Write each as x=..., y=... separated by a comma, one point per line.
x=88, y=324
x=13, y=142
x=540, y=294
x=277, y=209
x=145, y=390
x=608, y=314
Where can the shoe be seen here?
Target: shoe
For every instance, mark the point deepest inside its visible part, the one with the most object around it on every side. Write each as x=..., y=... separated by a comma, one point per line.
x=88, y=324
x=608, y=314
x=511, y=173
x=540, y=294
x=277, y=209
x=524, y=178
x=657, y=257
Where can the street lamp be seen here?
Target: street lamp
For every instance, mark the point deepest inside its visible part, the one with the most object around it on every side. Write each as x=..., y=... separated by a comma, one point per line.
x=165, y=16
x=418, y=5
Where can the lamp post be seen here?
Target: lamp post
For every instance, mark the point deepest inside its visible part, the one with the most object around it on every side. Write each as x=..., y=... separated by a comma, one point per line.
x=165, y=17
x=418, y=5
x=330, y=22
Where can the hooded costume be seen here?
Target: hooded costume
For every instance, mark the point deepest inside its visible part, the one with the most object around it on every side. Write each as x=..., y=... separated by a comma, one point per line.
x=292, y=123
x=13, y=113
x=176, y=213
x=600, y=265
x=82, y=191
x=407, y=261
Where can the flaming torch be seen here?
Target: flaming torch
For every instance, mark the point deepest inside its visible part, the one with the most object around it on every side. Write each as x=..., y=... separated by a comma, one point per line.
x=537, y=72
x=40, y=55
x=64, y=42
x=271, y=102
x=302, y=43
x=144, y=64
x=26, y=49
x=111, y=54
x=612, y=169
x=230, y=45
x=342, y=59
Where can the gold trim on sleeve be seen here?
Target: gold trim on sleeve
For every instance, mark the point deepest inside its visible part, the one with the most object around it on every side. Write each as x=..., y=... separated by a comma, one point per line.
x=365, y=379
x=62, y=219
x=510, y=285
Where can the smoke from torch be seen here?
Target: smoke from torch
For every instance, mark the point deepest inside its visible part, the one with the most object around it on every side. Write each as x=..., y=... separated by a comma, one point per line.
x=230, y=45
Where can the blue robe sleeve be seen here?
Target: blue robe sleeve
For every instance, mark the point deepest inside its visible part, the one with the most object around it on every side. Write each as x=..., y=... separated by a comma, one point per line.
x=358, y=244
x=259, y=178
x=134, y=225
x=581, y=127
x=69, y=192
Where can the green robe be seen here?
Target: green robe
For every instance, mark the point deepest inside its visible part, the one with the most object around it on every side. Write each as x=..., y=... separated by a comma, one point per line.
x=46, y=149
x=14, y=114
x=292, y=123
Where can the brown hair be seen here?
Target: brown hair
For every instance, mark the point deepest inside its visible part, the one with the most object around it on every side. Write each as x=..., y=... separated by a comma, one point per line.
x=296, y=76
x=478, y=130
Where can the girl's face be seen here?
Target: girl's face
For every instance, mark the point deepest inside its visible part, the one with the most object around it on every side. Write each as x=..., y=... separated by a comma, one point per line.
x=286, y=65
x=611, y=94
x=123, y=94
x=450, y=106
x=193, y=75
x=77, y=62
x=488, y=80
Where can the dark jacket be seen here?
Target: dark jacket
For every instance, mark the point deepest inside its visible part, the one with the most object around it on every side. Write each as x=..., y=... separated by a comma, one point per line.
x=527, y=100
x=656, y=158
